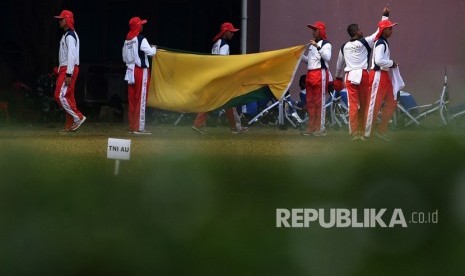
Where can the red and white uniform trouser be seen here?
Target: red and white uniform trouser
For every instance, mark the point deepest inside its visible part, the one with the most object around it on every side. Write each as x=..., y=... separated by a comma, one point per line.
x=380, y=91
x=316, y=85
x=358, y=100
x=231, y=113
x=64, y=96
x=137, y=98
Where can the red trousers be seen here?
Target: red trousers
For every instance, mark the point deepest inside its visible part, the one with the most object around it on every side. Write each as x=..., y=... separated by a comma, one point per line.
x=380, y=92
x=137, y=98
x=231, y=114
x=64, y=96
x=316, y=85
x=358, y=100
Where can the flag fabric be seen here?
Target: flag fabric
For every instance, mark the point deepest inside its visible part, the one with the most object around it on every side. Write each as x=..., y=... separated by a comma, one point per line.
x=187, y=82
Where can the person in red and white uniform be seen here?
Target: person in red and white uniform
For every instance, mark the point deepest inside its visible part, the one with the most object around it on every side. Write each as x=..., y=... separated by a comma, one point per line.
x=68, y=72
x=381, y=88
x=136, y=50
x=352, y=63
x=221, y=47
x=317, y=80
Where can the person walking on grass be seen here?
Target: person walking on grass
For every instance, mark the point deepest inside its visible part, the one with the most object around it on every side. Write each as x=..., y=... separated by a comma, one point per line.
x=68, y=72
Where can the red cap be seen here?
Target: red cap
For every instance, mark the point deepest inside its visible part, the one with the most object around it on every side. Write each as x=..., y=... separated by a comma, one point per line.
x=136, y=21
x=320, y=26
x=135, y=26
x=226, y=26
x=65, y=14
x=68, y=17
x=383, y=24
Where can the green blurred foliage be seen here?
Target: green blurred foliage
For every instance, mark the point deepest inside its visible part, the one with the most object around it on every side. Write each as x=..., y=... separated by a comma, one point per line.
x=180, y=213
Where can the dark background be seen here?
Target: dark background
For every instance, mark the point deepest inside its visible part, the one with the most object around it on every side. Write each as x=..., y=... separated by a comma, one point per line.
x=30, y=36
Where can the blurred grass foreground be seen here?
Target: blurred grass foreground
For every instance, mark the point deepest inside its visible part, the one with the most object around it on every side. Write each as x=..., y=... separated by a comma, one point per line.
x=187, y=204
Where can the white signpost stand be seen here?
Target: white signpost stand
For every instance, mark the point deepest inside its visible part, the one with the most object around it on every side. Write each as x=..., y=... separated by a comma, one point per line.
x=118, y=149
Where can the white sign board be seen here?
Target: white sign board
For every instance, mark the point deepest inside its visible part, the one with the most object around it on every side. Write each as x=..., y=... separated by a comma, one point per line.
x=119, y=149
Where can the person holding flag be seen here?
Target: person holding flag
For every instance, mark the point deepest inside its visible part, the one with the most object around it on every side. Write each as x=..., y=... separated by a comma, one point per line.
x=317, y=80
x=136, y=50
x=221, y=47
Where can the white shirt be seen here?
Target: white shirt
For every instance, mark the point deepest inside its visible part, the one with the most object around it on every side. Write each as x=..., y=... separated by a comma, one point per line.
x=355, y=56
x=382, y=56
x=220, y=47
x=69, y=51
x=314, y=57
x=132, y=55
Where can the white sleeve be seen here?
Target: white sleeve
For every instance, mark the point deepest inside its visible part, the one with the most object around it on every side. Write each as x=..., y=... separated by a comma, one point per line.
x=305, y=57
x=371, y=39
x=224, y=50
x=340, y=65
x=147, y=49
x=124, y=54
x=72, y=54
x=380, y=57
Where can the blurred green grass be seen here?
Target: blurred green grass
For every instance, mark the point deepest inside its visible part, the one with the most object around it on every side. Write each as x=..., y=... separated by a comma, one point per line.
x=205, y=205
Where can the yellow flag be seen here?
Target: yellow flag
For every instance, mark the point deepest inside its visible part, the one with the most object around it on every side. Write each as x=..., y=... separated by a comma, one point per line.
x=197, y=83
